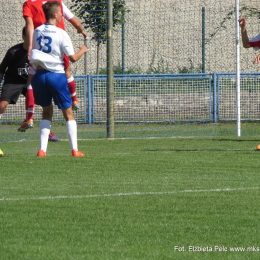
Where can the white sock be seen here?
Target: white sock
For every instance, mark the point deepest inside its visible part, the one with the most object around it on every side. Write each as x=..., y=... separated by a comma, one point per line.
x=1, y=115
x=72, y=133
x=70, y=79
x=45, y=126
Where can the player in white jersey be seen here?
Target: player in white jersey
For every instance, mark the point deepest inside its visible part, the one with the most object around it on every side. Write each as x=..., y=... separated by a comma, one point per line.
x=50, y=82
x=50, y=43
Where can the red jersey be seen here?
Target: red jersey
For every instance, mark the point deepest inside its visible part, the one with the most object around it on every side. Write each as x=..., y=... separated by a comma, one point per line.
x=33, y=9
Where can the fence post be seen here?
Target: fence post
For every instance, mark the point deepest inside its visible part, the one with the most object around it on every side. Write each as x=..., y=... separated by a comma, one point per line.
x=214, y=98
x=110, y=76
x=203, y=40
x=123, y=47
x=89, y=97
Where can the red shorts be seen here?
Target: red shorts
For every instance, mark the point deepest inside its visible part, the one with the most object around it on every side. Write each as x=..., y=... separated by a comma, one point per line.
x=66, y=61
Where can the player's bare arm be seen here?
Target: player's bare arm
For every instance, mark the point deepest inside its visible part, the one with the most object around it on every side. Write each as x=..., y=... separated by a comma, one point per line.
x=29, y=28
x=69, y=16
x=77, y=55
x=78, y=26
x=245, y=39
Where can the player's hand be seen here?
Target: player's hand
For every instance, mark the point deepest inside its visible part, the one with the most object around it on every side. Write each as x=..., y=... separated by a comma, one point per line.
x=242, y=22
x=82, y=31
x=83, y=48
x=84, y=34
x=257, y=59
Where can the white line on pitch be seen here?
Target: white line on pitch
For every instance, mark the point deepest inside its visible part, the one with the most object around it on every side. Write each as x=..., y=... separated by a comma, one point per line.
x=126, y=194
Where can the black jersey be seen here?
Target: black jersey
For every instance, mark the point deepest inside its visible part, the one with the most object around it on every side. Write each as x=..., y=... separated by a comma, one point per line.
x=14, y=67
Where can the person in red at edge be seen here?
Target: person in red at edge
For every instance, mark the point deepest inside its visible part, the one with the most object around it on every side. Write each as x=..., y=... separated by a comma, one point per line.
x=249, y=43
x=34, y=17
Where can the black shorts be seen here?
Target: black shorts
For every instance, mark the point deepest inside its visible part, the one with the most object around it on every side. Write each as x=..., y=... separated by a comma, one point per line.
x=11, y=92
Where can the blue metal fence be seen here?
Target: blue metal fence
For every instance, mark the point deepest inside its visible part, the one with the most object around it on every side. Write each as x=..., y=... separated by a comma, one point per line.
x=194, y=97
x=175, y=97
x=225, y=96
x=153, y=98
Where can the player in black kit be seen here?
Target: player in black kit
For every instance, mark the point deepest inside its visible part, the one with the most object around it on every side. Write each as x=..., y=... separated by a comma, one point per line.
x=14, y=71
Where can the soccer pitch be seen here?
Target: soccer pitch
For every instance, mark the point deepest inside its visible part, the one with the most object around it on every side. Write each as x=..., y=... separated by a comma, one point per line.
x=162, y=198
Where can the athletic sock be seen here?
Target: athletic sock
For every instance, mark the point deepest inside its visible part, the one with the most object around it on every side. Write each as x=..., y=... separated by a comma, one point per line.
x=72, y=88
x=45, y=126
x=72, y=133
x=29, y=103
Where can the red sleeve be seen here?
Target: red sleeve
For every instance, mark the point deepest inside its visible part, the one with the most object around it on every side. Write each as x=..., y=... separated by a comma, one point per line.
x=27, y=10
x=254, y=44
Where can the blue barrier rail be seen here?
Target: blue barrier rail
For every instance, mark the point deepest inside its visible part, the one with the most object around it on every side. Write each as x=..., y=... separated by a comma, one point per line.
x=172, y=97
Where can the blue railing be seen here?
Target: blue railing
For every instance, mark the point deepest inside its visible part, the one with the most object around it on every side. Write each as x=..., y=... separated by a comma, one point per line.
x=172, y=97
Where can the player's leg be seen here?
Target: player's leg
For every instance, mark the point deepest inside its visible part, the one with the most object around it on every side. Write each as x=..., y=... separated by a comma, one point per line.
x=43, y=97
x=71, y=126
x=61, y=97
x=52, y=137
x=10, y=94
x=3, y=105
x=44, y=129
x=71, y=84
x=29, y=104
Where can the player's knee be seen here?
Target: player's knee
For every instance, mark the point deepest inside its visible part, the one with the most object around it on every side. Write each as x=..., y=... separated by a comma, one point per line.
x=47, y=113
x=3, y=106
x=68, y=114
x=68, y=73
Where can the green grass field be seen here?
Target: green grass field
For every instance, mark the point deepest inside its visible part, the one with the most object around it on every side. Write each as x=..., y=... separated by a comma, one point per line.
x=131, y=199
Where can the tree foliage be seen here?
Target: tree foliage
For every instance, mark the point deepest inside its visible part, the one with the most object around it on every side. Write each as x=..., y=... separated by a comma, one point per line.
x=93, y=14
